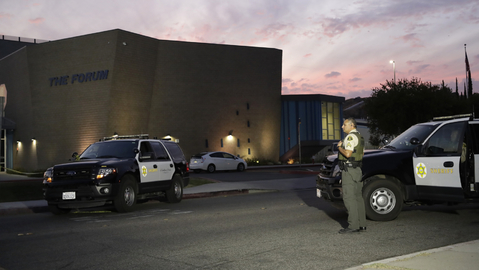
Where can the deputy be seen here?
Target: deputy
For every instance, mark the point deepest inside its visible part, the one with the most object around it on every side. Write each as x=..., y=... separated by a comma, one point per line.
x=351, y=151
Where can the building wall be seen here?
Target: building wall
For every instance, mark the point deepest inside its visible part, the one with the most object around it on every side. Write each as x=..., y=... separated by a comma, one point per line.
x=195, y=92
x=220, y=89
x=320, y=125
x=15, y=75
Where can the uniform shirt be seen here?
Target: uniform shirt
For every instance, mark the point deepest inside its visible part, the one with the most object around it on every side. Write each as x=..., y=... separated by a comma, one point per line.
x=351, y=141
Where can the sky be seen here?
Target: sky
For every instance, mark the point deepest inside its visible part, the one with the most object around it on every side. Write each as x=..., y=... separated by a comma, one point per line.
x=330, y=47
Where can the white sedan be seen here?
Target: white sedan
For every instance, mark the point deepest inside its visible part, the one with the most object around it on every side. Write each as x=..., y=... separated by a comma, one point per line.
x=216, y=161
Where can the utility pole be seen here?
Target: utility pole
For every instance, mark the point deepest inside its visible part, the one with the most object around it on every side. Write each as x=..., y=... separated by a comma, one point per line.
x=299, y=140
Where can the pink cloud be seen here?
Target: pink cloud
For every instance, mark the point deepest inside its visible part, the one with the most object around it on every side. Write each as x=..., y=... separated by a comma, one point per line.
x=37, y=20
x=418, y=70
x=5, y=15
x=333, y=74
x=307, y=55
x=411, y=63
x=354, y=79
x=274, y=30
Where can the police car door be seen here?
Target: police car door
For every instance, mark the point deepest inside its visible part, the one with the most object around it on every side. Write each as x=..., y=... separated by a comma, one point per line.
x=471, y=183
x=437, y=165
x=148, y=164
x=165, y=165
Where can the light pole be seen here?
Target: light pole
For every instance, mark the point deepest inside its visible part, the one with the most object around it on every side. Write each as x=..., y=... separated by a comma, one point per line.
x=394, y=69
x=299, y=140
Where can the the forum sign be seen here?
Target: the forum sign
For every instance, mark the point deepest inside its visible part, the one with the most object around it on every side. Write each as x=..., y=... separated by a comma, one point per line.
x=79, y=78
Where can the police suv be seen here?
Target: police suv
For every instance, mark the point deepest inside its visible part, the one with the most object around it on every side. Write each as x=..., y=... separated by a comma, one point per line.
x=433, y=162
x=118, y=171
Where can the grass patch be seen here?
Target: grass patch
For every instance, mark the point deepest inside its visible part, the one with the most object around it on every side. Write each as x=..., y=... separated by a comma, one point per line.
x=30, y=190
x=194, y=181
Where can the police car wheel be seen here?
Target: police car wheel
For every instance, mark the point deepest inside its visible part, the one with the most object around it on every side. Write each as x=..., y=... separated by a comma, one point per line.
x=175, y=193
x=383, y=200
x=125, y=200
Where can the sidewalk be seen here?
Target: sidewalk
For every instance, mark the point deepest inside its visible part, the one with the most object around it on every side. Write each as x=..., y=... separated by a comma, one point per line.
x=459, y=256
x=463, y=256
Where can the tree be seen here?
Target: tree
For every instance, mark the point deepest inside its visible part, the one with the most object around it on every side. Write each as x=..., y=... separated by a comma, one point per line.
x=394, y=107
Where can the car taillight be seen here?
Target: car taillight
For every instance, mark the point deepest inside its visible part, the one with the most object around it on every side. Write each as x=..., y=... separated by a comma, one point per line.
x=187, y=167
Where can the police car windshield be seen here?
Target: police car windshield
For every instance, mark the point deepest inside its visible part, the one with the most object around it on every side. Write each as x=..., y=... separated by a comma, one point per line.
x=403, y=141
x=111, y=149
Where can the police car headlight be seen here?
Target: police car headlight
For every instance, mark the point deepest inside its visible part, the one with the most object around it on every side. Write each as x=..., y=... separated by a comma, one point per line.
x=104, y=172
x=336, y=171
x=47, y=176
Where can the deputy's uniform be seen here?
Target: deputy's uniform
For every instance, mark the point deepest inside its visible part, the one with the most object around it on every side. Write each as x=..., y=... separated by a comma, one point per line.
x=351, y=179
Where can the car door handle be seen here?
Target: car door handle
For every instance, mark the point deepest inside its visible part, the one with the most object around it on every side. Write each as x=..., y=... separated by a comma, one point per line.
x=448, y=164
x=155, y=166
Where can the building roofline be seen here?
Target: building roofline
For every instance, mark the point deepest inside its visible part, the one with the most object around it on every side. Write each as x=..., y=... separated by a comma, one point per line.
x=318, y=97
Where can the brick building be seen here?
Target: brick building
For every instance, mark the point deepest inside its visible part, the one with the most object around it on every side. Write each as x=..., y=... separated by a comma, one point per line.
x=64, y=95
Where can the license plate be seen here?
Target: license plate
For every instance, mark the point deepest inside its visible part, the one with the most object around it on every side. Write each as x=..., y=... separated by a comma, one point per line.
x=318, y=193
x=69, y=195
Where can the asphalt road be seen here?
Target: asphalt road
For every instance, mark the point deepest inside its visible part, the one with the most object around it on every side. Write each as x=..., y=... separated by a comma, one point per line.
x=258, y=175
x=266, y=230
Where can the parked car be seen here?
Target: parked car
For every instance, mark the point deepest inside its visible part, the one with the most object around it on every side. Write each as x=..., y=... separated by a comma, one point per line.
x=216, y=161
x=118, y=171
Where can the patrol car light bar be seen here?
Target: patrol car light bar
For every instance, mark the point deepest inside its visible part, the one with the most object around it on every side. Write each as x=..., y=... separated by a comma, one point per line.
x=117, y=137
x=440, y=118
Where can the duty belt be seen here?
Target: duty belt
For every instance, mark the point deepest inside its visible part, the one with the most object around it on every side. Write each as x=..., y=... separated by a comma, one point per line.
x=344, y=165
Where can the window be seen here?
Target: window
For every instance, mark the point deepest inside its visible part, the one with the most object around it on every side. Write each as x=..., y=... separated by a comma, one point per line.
x=447, y=140
x=146, y=152
x=160, y=151
x=226, y=155
x=217, y=155
x=331, y=122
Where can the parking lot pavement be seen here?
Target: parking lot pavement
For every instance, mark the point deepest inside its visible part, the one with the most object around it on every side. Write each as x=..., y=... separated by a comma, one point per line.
x=459, y=256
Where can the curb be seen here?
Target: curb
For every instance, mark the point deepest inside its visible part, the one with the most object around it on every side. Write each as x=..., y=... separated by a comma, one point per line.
x=215, y=194
x=40, y=206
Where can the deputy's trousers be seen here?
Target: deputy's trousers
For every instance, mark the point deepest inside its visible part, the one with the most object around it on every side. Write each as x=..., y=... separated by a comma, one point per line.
x=353, y=197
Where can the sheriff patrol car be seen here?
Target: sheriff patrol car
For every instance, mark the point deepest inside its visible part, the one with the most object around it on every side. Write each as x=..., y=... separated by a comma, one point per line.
x=433, y=162
x=118, y=171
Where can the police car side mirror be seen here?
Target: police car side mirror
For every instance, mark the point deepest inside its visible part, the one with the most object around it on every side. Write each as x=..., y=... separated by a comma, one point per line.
x=414, y=141
x=74, y=155
x=385, y=140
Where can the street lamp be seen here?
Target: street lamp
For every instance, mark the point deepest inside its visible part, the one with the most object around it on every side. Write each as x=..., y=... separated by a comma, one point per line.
x=394, y=69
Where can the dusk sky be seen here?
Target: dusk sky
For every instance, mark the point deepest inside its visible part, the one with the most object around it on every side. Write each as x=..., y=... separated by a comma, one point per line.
x=331, y=47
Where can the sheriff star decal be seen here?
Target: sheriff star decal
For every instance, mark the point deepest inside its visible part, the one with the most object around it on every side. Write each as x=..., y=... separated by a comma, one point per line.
x=144, y=171
x=421, y=170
